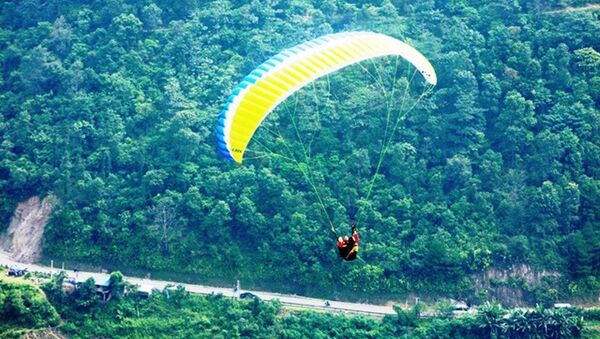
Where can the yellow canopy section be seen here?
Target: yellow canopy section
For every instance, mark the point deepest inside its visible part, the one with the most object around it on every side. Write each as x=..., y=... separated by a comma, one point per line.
x=285, y=73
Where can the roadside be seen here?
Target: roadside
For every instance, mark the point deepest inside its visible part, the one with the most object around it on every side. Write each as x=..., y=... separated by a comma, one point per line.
x=285, y=299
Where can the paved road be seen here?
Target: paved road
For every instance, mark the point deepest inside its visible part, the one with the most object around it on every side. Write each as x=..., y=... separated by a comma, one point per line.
x=286, y=299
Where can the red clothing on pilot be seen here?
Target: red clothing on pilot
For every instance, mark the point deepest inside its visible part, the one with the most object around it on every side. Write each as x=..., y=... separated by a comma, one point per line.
x=348, y=246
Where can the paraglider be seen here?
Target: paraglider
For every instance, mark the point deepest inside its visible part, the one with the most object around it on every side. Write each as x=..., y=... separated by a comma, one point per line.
x=272, y=82
x=348, y=245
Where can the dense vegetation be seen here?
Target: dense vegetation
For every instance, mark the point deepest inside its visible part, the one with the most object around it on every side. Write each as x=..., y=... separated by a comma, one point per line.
x=175, y=313
x=23, y=306
x=111, y=106
x=187, y=316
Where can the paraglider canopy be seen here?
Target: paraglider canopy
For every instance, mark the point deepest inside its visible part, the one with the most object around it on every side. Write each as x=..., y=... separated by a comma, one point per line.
x=272, y=82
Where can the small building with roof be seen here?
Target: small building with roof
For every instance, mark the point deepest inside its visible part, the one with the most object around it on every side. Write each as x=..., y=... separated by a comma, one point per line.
x=103, y=288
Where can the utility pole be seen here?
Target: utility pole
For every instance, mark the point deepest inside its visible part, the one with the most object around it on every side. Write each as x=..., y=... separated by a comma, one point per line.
x=236, y=289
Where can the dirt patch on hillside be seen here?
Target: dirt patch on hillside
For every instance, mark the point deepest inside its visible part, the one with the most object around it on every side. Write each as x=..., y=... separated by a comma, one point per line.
x=588, y=7
x=43, y=334
x=511, y=286
x=23, y=239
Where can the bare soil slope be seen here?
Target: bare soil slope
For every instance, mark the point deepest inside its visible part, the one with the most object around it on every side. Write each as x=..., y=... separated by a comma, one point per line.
x=588, y=7
x=23, y=239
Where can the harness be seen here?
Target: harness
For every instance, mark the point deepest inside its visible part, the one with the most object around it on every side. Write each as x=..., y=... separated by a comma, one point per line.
x=354, y=251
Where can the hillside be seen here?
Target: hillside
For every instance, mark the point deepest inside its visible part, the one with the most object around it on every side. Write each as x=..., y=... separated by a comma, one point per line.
x=175, y=313
x=24, y=308
x=112, y=108
x=23, y=238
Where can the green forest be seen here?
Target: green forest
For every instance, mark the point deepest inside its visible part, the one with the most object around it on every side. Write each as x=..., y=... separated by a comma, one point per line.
x=111, y=107
x=28, y=311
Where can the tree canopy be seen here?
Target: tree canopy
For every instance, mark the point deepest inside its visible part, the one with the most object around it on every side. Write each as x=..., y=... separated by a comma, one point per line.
x=111, y=106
